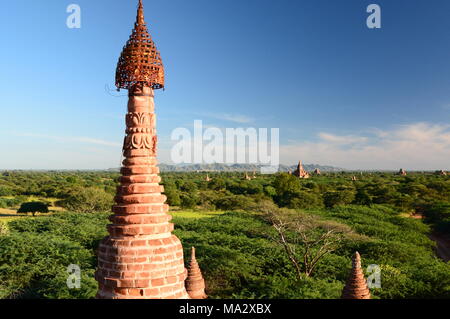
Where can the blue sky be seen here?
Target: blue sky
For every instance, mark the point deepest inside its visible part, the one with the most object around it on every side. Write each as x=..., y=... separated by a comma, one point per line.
x=341, y=94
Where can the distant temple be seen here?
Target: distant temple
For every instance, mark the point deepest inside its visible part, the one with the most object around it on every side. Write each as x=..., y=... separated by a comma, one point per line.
x=402, y=172
x=300, y=171
x=208, y=179
x=441, y=172
x=317, y=171
x=246, y=177
x=356, y=286
x=354, y=178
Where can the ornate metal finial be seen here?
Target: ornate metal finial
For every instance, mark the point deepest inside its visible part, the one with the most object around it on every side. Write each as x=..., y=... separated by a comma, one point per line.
x=140, y=63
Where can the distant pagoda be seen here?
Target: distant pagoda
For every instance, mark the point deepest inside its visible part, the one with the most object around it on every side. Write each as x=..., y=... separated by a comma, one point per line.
x=356, y=286
x=402, y=172
x=300, y=171
x=140, y=258
x=317, y=171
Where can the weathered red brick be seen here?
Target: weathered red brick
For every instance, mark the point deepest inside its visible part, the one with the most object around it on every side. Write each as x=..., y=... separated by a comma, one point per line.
x=157, y=282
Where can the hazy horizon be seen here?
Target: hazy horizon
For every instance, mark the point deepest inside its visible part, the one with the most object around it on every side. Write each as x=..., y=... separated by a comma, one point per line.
x=289, y=165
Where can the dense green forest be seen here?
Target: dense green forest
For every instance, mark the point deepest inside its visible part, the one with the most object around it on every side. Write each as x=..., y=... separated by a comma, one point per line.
x=230, y=220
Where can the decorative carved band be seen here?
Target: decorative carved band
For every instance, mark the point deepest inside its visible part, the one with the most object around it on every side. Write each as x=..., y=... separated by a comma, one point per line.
x=139, y=119
x=140, y=141
x=140, y=131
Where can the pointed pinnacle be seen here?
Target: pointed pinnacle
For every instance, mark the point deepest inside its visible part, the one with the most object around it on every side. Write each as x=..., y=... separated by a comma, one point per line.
x=356, y=285
x=140, y=14
x=357, y=260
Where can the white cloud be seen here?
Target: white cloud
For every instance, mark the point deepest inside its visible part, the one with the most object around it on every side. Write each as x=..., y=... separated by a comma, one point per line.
x=417, y=146
x=344, y=140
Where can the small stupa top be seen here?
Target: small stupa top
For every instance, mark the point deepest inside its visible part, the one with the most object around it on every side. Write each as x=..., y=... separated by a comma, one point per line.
x=140, y=62
x=356, y=286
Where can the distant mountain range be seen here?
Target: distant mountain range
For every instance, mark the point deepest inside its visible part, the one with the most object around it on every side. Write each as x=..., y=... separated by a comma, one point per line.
x=239, y=167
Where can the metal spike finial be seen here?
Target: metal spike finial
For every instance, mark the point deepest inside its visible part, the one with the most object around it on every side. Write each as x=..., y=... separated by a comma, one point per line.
x=140, y=14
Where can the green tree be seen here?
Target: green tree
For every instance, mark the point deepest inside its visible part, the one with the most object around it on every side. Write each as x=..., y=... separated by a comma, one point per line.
x=33, y=207
x=341, y=197
x=270, y=191
x=306, y=200
x=188, y=200
x=217, y=184
x=287, y=188
x=172, y=193
x=88, y=200
x=233, y=202
x=363, y=197
x=6, y=191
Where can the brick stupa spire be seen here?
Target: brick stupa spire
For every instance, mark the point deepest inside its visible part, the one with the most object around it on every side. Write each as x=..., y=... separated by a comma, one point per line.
x=195, y=284
x=356, y=286
x=140, y=258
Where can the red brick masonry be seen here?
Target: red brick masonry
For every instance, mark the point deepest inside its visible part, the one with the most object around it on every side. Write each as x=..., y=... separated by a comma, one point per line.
x=140, y=258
